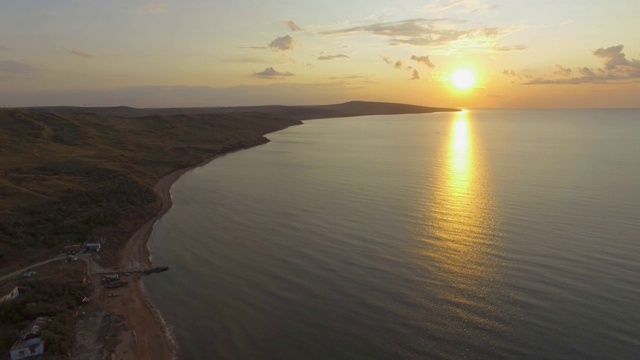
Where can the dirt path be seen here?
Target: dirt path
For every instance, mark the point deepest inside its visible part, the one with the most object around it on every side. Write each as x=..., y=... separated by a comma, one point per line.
x=31, y=267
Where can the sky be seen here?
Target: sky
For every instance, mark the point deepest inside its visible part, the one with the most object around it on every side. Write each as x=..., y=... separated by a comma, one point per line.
x=179, y=53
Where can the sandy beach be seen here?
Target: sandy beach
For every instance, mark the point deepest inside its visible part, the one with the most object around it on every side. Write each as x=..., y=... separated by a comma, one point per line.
x=146, y=335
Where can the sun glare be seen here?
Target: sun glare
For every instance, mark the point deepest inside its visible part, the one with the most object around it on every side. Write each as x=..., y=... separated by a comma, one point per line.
x=463, y=79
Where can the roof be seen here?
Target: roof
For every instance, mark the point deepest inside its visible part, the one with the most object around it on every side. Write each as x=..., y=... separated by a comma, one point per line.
x=35, y=328
x=7, y=296
x=32, y=331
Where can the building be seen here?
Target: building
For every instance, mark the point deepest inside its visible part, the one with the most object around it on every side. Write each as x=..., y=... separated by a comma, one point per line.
x=72, y=249
x=14, y=293
x=110, y=278
x=30, y=342
x=92, y=247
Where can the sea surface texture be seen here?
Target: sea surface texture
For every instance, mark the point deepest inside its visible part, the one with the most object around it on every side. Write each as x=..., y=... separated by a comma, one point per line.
x=485, y=234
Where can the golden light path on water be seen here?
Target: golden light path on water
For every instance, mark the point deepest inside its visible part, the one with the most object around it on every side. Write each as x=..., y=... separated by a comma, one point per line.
x=455, y=235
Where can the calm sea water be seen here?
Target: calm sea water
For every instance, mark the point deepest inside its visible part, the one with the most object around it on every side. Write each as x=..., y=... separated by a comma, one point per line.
x=475, y=235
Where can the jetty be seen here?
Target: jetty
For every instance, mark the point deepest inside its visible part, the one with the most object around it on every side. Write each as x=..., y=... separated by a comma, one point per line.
x=132, y=271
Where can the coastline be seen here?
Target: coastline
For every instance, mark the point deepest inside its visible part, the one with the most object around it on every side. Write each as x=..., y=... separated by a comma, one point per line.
x=124, y=321
x=148, y=336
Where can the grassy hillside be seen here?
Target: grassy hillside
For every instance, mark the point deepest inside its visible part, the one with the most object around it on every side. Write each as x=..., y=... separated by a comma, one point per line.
x=69, y=174
x=70, y=177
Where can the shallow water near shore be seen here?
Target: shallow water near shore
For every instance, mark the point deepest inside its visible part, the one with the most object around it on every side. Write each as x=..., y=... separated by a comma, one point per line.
x=486, y=234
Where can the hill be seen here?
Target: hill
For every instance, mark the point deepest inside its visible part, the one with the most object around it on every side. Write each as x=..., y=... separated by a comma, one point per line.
x=304, y=112
x=72, y=174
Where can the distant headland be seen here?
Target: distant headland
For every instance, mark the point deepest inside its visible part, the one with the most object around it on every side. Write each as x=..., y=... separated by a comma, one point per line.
x=299, y=112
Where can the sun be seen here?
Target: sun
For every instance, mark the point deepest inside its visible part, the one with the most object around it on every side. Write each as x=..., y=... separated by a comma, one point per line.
x=463, y=79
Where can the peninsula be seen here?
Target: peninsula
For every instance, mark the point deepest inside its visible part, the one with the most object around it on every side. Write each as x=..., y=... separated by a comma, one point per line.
x=72, y=176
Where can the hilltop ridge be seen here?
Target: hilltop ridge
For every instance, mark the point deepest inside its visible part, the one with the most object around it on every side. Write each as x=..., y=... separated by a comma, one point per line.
x=294, y=112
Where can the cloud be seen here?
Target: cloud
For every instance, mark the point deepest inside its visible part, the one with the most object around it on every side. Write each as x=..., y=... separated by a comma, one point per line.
x=472, y=6
x=615, y=59
x=433, y=32
x=283, y=43
x=402, y=28
x=562, y=71
x=292, y=26
x=586, y=72
x=80, y=53
x=510, y=47
x=513, y=75
x=17, y=67
x=271, y=73
x=400, y=65
x=510, y=73
x=423, y=60
x=332, y=57
x=350, y=77
x=415, y=75
x=616, y=68
x=247, y=60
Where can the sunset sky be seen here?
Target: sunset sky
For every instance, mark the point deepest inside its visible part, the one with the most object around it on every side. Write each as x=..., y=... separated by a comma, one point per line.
x=524, y=53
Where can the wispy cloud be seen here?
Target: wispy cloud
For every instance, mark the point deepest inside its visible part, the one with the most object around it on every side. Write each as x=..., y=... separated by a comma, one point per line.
x=509, y=47
x=562, y=71
x=434, y=32
x=17, y=67
x=332, y=57
x=400, y=65
x=248, y=60
x=271, y=73
x=514, y=75
x=350, y=77
x=470, y=6
x=423, y=60
x=283, y=43
x=292, y=26
x=81, y=53
x=616, y=67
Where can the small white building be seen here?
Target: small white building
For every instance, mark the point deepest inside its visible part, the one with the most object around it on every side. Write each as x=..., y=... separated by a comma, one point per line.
x=13, y=294
x=30, y=342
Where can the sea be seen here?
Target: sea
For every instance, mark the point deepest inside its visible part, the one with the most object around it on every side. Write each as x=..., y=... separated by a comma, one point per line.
x=480, y=234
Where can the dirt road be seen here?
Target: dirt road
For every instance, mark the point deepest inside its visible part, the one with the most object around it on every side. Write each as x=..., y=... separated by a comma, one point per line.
x=31, y=267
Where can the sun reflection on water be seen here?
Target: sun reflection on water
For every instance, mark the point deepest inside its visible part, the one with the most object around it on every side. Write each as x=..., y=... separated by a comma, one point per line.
x=455, y=235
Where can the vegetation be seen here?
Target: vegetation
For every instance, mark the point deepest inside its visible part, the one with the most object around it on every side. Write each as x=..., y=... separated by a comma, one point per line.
x=68, y=175
x=67, y=178
x=56, y=292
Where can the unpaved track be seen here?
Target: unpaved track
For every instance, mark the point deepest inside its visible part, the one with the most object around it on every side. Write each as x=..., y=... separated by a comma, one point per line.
x=31, y=267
